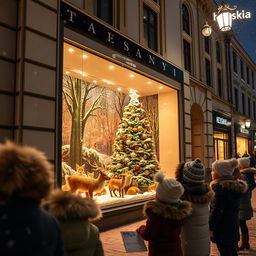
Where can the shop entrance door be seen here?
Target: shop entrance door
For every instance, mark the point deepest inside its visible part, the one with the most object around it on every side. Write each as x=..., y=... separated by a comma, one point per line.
x=197, y=132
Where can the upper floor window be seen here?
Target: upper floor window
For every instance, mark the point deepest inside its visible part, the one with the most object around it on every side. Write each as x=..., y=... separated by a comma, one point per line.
x=219, y=80
x=185, y=19
x=105, y=10
x=248, y=74
x=243, y=102
x=218, y=52
x=249, y=107
x=253, y=86
x=242, y=69
x=234, y=61
x=207, y=44
x=187, y=55
x=236, y=100
x=208, y=72
x=150, y=28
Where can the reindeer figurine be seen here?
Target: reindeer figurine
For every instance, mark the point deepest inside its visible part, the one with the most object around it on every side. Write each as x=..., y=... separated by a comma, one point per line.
x=119, y=184
x=88, y=185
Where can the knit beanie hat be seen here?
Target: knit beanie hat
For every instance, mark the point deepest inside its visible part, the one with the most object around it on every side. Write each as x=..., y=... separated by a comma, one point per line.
x=225, y=167
x=244, y=162
x=168, y=190
x=193, y=172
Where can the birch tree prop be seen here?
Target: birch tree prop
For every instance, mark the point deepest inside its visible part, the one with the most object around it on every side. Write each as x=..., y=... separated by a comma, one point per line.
x=77, y=93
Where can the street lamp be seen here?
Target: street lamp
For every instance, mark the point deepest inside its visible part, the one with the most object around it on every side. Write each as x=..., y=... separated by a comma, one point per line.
x=224, y=17
x=206, y=30
x=248, y=124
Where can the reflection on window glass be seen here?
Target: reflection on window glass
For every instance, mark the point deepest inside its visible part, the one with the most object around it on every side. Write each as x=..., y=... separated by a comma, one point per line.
x=105, y=10
x=113, y=136
x=150, y=28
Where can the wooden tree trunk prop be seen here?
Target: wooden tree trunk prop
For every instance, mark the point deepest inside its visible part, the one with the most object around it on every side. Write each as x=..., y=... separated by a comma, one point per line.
x=76, y=95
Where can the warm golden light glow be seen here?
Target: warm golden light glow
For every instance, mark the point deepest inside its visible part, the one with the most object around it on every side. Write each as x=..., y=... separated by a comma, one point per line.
x=160, y=87
x=67, y=72
x=71, y=50
x=94, y=81
x=119, y=89
x=149, y=82
x=131, y=75
x=85, y=56
x=84, y=74
x=111, y=67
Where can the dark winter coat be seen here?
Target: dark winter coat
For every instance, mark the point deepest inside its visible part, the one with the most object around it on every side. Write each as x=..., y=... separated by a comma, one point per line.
x=245, y=210
x=224, y=221
x=163, y=227
x=195, y=237
x=81, y=238
x=28, y=230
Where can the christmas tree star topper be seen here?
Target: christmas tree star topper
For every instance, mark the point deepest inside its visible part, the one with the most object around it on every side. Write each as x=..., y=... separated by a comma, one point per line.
x=134, y=97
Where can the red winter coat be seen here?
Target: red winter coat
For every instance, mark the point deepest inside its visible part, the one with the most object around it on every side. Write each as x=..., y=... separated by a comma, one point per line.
x=163, y=227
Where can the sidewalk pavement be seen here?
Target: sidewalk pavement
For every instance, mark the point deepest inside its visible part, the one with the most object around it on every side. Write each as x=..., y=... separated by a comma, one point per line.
x=113, y=243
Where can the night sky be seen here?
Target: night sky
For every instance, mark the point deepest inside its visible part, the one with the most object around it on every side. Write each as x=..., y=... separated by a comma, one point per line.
x=245, y=30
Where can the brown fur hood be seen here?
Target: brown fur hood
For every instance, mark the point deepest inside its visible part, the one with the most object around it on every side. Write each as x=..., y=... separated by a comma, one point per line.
x=248, y=170
x=238, y=186
x=24, y=172
x=67, y=206
x=168, y=211
x=198, y=194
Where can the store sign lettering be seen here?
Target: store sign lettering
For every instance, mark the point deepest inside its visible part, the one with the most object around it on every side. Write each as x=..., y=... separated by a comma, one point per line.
x=222, y=121
x=238, y=15
x=85, y=24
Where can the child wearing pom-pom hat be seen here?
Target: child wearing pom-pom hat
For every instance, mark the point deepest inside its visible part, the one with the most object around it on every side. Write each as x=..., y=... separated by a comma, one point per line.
x=165, y=216
x=224, y=221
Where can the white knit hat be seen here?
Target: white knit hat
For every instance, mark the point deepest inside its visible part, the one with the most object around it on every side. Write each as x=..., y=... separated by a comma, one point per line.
x=168, y=190
x=244, y=162
x=225, y=167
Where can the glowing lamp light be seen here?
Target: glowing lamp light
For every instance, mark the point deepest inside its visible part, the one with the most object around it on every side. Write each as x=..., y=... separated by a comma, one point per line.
x=206, y=30
x=247, y=124
x=71, y=50
x=224, y=17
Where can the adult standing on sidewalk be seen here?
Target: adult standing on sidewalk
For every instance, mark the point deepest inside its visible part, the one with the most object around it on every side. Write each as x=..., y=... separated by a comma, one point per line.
x=246, y=211
x=195, y=236
x=25, y=228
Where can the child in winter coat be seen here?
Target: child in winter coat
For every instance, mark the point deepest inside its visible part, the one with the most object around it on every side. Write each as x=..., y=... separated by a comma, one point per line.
x=165, y=217
x=224, y=221
x=25, y=228
x=246, y=211
x=195, y=238
x=81, y=238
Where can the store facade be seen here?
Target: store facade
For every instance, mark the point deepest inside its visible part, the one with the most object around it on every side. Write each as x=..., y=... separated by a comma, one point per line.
x=243, y=140
x=100, y=68
x=221, y=136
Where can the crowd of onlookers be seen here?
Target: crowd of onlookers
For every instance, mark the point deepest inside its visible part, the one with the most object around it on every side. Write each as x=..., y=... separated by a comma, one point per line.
x=186, y=215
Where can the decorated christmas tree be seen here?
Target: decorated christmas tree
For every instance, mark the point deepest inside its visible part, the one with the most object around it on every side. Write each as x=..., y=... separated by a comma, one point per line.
x=133, y=146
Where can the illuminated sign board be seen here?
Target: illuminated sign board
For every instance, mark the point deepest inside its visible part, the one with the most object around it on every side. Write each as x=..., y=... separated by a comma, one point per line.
x=238, y=15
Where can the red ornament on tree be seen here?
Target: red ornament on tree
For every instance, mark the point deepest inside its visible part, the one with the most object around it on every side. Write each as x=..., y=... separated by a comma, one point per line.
x=121, y=146
x=152, y=150
x=137, y=167
x=120, y=122
x=123, y=138
x=116, y=177
x=148, y=129
x=136, y=147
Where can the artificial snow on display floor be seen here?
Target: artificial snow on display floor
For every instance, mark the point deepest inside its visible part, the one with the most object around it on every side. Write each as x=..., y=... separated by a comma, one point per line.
x=106, y=201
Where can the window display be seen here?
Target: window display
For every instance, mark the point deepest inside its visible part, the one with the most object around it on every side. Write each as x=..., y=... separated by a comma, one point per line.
x=221, y=145
x=119, y=128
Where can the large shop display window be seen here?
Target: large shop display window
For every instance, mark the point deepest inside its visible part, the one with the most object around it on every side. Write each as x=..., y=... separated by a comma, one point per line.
x=119, y=129
x=221, y=146
x=242, y=146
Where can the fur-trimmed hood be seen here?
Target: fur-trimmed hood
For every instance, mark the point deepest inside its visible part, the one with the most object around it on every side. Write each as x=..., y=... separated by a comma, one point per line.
x=248, y=170
x=24, y=172
x=198, y=194
x=67, y=206
x=168, y=211
x=238, y=186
